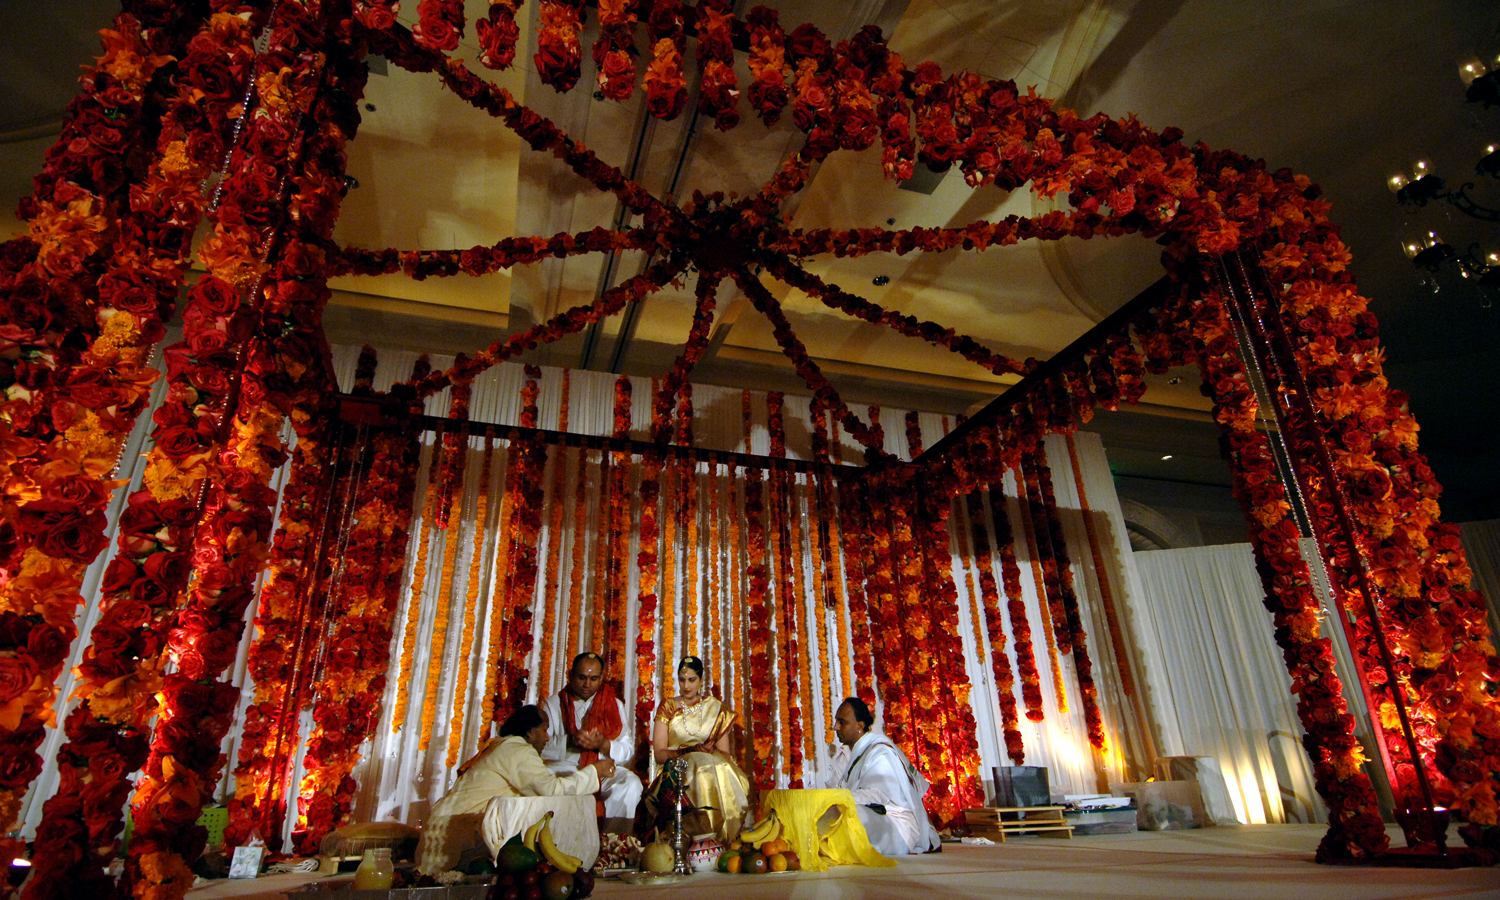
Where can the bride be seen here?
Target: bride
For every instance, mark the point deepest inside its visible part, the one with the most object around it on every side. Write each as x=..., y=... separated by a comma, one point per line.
x=694, y=726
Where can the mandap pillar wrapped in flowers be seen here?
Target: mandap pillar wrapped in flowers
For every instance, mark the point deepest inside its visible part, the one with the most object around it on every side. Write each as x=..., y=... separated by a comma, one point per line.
x=251, y=141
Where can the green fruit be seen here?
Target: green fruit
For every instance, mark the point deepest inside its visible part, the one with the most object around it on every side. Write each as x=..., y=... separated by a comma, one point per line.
x=515, y=840
x=480, y=866
x=516, y=858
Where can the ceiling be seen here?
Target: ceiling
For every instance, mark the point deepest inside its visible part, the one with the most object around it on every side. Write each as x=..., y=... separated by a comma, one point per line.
x=1346, y=92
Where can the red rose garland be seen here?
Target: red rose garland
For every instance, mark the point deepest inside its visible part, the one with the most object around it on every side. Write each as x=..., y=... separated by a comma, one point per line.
x=231, y=544
x=557, y=49
x=886, y=616
x=348, y=705
x=718, y=92
x=377, y=15
x=768, y=68
x=497, y=34
x=1355, y=826
x=552, y=592
x=647, y=599
x=611, y=638
x=281, y=617
x=666, y=89
x=615, y=49
x=785, y=598
x=995, y=628
x=440, y=24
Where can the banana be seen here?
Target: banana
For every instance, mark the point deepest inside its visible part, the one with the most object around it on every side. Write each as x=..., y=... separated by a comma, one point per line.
x=762, y=831
x=559, y=860
x=530, y=839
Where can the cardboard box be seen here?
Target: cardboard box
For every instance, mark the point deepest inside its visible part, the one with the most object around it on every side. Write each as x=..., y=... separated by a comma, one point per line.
x=1164, y=805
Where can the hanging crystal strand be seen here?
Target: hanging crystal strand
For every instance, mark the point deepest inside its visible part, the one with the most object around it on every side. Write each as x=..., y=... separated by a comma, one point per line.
x=1265, y=400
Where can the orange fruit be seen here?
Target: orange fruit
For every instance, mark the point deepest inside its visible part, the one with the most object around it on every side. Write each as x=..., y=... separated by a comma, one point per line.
x=730, y=863
x=776, y=862
x=735, y=844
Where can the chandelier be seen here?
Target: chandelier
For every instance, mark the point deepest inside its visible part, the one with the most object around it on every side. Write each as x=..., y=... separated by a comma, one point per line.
x=1427, y=250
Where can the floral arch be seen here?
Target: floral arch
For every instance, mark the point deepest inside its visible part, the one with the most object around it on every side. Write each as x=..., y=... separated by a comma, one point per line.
x=1258, y=296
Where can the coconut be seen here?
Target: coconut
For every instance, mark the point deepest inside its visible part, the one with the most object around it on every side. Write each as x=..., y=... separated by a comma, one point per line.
x=658, y=857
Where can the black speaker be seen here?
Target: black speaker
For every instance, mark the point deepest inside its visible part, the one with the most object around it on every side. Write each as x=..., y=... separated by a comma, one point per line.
x=1021, y=786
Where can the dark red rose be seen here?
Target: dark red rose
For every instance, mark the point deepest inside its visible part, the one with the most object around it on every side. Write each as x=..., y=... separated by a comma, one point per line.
x=179, y=441
x=215, y=296
x=16, y=676
x=109, y=640
x=218, y=650
x=129, y=612
x=47, y=645
x=167, y=568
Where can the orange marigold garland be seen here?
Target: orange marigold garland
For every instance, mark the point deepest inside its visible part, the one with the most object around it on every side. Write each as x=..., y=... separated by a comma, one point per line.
x=471, y=602
x=551, y=593
x=797, y=608
x=687, y=468
x=619, y=531
x=451, y=486
x=585, y=478
x=647, y=601
x=418, y=589
x=358, y=654
x=671, y=530
x=520, y=587
x=498, y=609
x=1044, y=602
x=1083, y=666
x=1015, y=604
x=973, y=507
x=784, y=598
x=719, y=664
x=758, y=637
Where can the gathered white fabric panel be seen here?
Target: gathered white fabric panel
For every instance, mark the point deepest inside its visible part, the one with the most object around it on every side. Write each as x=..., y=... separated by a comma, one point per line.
x=1481, y=542
x=1223, y=688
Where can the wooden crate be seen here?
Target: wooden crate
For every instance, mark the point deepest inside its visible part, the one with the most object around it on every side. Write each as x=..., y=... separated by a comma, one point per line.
x=995, y=822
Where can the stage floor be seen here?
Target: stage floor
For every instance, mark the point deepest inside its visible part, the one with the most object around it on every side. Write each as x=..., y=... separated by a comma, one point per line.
x=1238, y=863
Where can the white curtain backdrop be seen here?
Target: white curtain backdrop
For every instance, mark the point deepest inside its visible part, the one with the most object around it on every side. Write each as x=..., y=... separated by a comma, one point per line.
x=1481, y=542
x=1221, y=687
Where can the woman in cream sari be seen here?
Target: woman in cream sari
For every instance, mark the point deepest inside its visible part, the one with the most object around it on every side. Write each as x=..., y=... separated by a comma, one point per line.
x=694, y=726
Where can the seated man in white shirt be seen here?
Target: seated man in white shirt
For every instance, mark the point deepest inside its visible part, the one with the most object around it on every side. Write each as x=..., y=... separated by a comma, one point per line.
x=510, y=766
x=589, y=724
x=885, y=784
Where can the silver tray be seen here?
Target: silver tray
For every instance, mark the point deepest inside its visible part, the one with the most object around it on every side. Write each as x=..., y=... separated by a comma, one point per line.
x=344, y=890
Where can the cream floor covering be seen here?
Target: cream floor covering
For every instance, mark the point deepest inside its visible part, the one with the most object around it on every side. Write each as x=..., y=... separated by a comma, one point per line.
x=1252, y=862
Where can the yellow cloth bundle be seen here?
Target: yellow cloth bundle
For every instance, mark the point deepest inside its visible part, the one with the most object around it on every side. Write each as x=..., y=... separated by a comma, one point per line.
x=844, y=844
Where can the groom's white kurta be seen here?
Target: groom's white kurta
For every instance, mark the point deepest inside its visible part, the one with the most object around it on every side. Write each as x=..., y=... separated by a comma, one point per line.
x=622, y=790
x=876, y=771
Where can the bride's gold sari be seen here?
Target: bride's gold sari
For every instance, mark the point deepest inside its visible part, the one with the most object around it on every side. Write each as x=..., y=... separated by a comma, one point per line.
x=711, y=780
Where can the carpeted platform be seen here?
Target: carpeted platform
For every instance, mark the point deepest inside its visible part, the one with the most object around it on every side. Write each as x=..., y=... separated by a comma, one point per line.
x=1253, y=862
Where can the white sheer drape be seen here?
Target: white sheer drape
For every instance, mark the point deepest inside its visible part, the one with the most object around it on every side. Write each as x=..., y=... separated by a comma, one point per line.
x=1223, y=687
x=1481, y=542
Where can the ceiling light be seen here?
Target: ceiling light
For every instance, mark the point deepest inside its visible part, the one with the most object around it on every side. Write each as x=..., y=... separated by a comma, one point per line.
x=881, y=280
x=1167, y=456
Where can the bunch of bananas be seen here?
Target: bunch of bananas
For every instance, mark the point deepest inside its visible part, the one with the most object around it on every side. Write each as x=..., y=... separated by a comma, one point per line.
x=768, y=829
x=538, y=839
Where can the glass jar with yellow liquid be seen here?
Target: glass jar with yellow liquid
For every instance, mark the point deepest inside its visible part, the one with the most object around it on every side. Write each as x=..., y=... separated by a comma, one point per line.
x=375, y=872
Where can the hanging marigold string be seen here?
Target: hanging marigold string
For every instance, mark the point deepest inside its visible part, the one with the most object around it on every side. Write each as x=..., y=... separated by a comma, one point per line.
x=784, y=597
x=973, y=507
x=506, y=539
x=616, y=590
x=715, y=637
x=798, y=610
x=671, y=540
x=471, y=601
x=688, y=481
x=455, y=461
x=758, y=638
x=587, y=482
x=1044, y=603
x=552, y=593
x=1083, y=666
x=418, y=580
x=527, y=526
x=645, y=648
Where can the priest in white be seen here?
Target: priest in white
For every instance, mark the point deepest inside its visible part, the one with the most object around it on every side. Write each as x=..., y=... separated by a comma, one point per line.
x=887, y=787
x=589, y=723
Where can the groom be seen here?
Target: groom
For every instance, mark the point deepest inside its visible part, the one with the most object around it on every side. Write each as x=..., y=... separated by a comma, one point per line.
x=589, y=723
x=885, y=784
